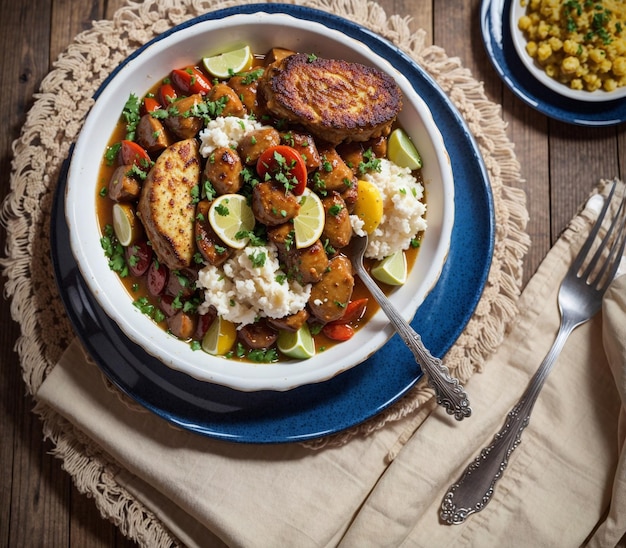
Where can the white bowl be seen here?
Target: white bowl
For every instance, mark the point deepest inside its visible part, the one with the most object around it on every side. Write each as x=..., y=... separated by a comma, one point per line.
x=184, y=46
x=537, y=71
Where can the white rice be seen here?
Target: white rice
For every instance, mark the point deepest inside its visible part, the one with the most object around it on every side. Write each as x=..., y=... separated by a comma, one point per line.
x=403, y=212
x=225, y=131
x=242, y=292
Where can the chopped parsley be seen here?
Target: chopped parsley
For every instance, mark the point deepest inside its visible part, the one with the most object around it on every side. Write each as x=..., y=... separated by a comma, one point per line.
x=131, y=115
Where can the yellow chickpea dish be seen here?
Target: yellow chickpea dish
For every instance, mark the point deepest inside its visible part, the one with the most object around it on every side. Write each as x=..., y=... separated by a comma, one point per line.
x=579, y=43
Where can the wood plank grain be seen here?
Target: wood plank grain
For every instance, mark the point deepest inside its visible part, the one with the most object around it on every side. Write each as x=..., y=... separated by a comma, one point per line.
x=527, y=129
x=579, y=158
x=560, y=164
x=69, y=18
x=32, y=495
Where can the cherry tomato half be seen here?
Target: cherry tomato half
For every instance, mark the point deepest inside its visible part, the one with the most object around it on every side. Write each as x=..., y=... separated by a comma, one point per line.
x=167, y=94
x=190, y=80
x=283, y=160
x=150, y=104
x=132, y=153
x=354, y=311
x=338, y=331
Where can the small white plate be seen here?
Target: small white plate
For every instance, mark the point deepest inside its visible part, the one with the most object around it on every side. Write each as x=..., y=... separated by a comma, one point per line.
x=537, y=71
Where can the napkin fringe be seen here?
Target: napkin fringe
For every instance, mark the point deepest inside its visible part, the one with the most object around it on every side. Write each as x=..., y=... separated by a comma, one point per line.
x=94, y=475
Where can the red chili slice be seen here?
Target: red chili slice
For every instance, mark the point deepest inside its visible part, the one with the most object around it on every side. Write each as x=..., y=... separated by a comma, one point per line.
x=132, y=153
x=338, y=331
x=138, y=257
x=190, y=80
x=283, y=160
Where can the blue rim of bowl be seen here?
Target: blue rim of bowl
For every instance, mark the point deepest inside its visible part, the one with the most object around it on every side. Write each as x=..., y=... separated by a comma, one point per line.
x=310, y=411
x=498, y=42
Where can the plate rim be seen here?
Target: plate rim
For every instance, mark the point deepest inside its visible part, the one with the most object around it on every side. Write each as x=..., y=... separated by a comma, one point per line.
x=262, y=435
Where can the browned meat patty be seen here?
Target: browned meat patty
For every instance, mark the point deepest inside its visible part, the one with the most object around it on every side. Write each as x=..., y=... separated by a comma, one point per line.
x=335, y=100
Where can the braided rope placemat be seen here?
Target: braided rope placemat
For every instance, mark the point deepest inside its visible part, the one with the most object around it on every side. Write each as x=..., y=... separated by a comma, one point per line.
x=53, y=123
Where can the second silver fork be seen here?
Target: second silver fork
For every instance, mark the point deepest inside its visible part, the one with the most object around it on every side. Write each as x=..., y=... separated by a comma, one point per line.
x=580, y=298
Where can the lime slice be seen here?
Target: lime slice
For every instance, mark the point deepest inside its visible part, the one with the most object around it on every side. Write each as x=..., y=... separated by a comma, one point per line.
x=125, y=223
x=401, y=150
x=296, y=344
x=220, y=337
x=391, y=270
x=369, y=205
x=230, y=216
x=229, y=63
x=308, y=224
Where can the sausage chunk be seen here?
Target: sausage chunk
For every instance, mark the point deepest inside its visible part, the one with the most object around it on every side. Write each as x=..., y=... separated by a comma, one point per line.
x=255, y=142
x=306, y=265
x=330, y=296
x=258, y=335
x=245, y=86
x=122, y=186
x=209, y=244
x=292, y=322
x=182, y=325
x=357, y=155
x=273, y=206
x=229, y=103
x=334, y=173
x=151, y=134
x=184, y=125
x=337, y=227
x=305, y=145
x=223, y=170
x=277, y=54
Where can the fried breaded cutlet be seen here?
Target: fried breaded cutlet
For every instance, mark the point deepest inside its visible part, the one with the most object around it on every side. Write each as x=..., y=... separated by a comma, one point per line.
x=335, y=100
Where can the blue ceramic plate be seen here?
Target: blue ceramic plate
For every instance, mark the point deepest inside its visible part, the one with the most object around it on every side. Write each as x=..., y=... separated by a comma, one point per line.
x=496, y=32
x=352, y=397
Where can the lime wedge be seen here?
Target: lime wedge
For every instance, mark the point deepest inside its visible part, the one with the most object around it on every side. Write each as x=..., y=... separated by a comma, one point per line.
x=391, y=270
x=369, y=205
x=308, y=224
x=296, y=344
x=229, y=63
x=401, y=150
x=220, y=337
x=125, y=223
x=230, y=216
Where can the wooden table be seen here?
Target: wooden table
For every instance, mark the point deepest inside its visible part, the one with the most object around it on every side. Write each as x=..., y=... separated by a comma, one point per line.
x=39, y=506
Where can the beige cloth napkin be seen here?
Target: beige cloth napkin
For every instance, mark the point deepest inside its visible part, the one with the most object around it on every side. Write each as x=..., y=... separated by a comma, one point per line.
x=565, y=484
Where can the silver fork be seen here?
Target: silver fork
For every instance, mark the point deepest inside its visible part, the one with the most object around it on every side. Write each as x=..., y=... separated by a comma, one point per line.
x=448, y=391
x=579, y=299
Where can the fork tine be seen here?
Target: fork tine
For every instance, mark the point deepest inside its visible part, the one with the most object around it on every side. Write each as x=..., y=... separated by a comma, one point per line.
x=618, y=248
x=607, y=271
x=582, y=254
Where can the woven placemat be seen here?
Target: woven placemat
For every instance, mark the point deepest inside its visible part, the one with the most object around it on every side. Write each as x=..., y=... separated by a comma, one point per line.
x=54, y=122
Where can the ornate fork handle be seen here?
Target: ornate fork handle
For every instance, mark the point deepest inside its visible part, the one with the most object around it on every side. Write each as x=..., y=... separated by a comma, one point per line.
x=450, y=394
x=476, y=486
